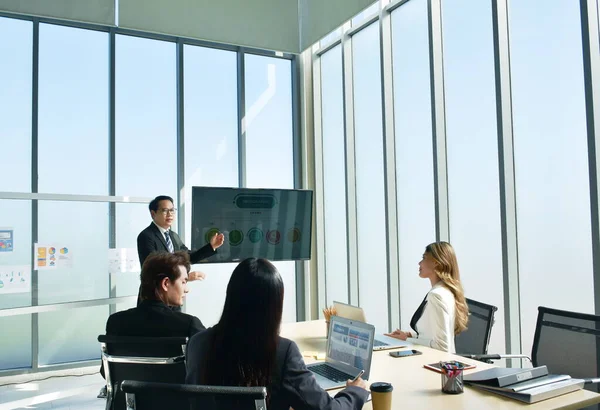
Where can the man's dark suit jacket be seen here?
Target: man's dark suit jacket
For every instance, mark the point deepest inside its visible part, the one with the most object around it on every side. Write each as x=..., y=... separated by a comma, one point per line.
x=152, y=240
x=152, y=318
x=293, y=384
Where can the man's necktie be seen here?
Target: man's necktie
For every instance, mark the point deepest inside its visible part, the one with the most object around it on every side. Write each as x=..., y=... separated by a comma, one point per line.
x=418, y=314
x=169, y=243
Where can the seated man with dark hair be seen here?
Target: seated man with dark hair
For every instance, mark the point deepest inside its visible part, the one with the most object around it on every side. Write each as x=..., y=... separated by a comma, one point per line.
x=164, y=285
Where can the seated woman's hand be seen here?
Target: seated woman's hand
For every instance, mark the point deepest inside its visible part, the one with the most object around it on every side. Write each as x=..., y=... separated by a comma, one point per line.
x=358, y=383
x=196, y=275
x=399, y=334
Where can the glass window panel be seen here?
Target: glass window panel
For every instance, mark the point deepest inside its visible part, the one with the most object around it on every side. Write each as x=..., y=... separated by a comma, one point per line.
x=370, y=188
x=334, y=35
x=211, y=120
x=472, y=144
x=269, y=142
x=16, y=43
x=131, y=219
x=15, y=290
x=414, y=152
x=73, y=111
x=551, y=166
x=71, y=335
x=365, y=14
x=60, y=225
x=146, y=123
x=334, y=177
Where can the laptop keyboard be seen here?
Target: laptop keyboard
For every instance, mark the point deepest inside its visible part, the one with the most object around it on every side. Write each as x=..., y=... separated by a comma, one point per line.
x=377, y=343
x=330, y=373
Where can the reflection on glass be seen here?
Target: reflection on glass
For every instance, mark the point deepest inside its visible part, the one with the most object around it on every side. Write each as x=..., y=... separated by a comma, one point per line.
x=16, y=42
x=414, y=152
x=269, y=142
x=550, y=145
x=334, y=177
x=73, y=111
x=471, y=128
x=370, y=194
x=146, y=124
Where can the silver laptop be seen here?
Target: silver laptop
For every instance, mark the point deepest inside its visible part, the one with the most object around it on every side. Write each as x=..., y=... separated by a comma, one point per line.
x=357, y=313
x=349, y=351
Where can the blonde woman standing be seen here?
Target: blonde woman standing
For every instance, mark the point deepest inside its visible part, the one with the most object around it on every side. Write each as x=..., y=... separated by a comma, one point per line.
x=444, y=312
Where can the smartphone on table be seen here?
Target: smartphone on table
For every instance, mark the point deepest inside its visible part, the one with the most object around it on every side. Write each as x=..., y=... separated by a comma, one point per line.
x=405, y=353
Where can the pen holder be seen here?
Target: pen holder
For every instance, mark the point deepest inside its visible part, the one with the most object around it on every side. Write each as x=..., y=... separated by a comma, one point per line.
x=327, y=329
x=452, y=378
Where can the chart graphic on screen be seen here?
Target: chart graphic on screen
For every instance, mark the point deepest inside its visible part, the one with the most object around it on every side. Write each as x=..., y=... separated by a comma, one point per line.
x=266, y=223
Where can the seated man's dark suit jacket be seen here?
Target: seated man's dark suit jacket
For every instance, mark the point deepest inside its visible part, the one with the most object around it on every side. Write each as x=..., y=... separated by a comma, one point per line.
x=293, y=384
x=152, y=318
x=152, y=240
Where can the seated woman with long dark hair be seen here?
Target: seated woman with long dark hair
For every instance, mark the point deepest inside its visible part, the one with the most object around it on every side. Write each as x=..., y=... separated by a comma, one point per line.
x=245, y=349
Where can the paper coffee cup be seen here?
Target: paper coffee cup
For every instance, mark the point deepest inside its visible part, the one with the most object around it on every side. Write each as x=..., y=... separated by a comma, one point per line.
x=381, y=394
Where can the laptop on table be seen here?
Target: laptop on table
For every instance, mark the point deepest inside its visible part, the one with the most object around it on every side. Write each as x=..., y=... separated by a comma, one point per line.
x=358, y=314
x=349, y=351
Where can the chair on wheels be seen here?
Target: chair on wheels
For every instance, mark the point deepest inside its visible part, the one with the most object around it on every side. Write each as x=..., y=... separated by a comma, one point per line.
x=156, y=359
x=476, y=339
x=568, y=343
x=143, y=396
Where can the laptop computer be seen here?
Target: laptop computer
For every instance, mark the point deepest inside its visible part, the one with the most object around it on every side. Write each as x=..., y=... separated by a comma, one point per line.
x=357, y=313
x=349, y=351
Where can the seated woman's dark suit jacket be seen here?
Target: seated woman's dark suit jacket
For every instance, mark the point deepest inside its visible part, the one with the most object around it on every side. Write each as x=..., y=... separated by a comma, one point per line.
x=293, y=384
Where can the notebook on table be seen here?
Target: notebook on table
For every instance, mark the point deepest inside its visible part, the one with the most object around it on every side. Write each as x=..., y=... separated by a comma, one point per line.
x=357, y=313
x=349, y=351
x=526, y=385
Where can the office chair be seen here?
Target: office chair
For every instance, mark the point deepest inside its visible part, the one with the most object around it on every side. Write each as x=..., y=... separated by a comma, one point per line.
x=568, y=343
x=476, y=339
x=142, y=396
x=474, y=342
x=156, y=359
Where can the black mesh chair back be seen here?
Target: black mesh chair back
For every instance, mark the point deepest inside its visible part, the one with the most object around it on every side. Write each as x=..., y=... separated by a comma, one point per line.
x=476, y=339
x=567, y=343
x=156, y=359
x=144, y=396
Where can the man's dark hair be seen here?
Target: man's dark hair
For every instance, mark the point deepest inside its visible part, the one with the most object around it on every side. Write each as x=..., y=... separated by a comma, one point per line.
x=160, y=265
x=153, y=206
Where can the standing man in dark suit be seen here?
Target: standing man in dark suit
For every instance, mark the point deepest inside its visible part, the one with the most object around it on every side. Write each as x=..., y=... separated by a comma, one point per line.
x=159, y=237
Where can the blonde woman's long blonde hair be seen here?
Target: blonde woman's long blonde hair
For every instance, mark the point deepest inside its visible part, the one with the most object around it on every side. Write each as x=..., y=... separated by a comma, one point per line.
x=446, y=268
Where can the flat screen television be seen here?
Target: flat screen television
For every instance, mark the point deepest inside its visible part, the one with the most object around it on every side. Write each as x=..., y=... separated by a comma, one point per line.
x=263, y=223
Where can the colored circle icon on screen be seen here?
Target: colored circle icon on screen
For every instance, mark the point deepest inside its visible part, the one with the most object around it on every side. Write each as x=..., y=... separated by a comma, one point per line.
x=64, y=251
x=255, y=235
x=51, y=251
x=294, y=235
x=236, y=237
x=273, y=237
x=210, y=233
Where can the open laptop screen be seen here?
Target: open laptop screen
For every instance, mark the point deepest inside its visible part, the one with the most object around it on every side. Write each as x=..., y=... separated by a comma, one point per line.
x=351, y=344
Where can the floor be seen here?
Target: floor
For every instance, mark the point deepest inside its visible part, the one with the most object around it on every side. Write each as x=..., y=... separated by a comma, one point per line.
x=65, y=389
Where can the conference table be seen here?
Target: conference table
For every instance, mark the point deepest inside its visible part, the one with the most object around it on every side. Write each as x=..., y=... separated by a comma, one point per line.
x=418, y=388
